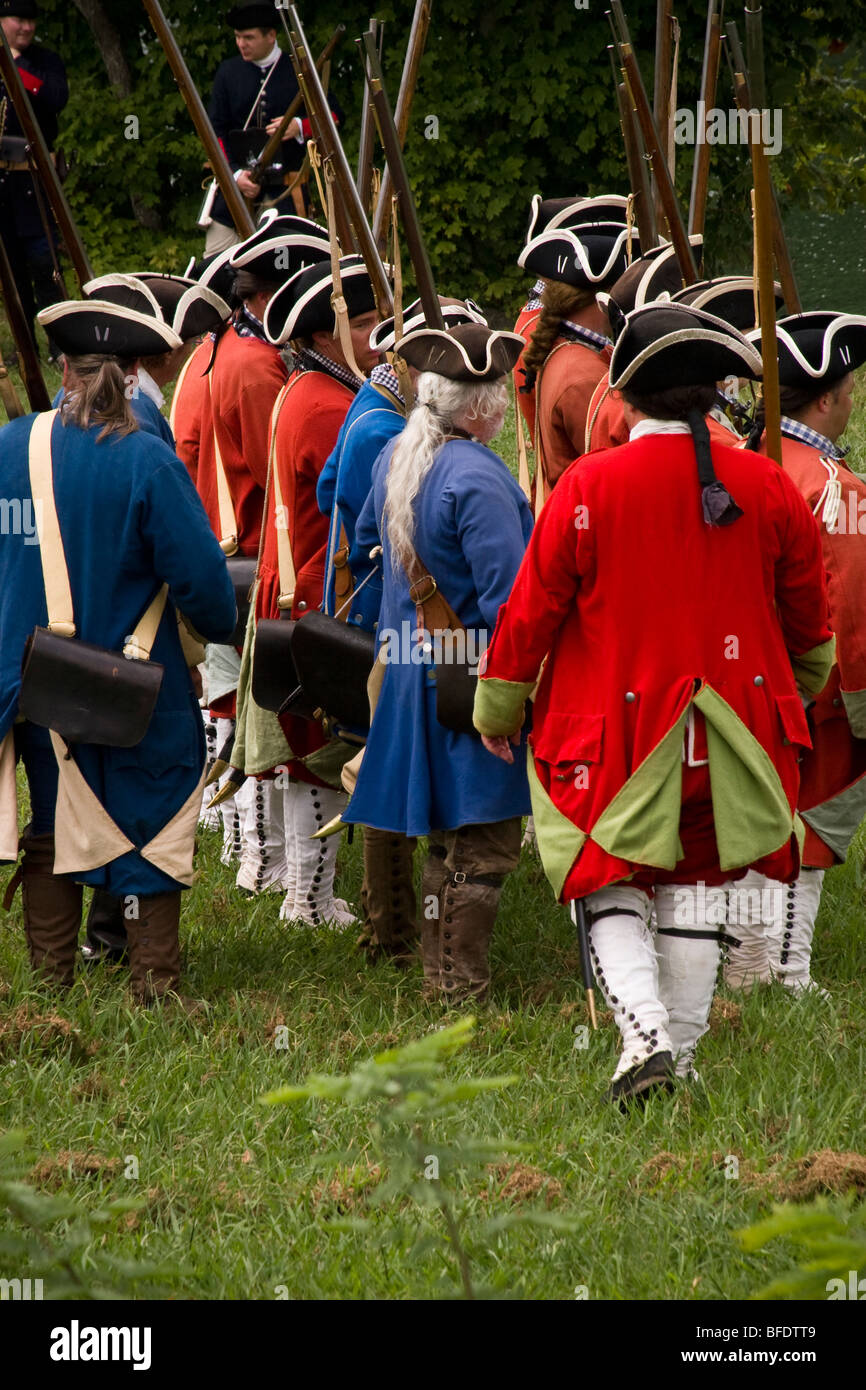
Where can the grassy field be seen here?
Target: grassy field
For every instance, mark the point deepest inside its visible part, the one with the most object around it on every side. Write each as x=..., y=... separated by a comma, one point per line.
x=235, y=1202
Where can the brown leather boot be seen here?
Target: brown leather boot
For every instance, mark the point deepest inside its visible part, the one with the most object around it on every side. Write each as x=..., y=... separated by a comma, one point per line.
x=432, y=882
x=469, y=907
x=154, y=948
x=388, y=897
x=52, y=912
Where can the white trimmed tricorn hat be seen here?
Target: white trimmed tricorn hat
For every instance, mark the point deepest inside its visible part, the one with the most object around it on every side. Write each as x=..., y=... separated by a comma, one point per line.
x=467, y=352
x=665, y=344
x=590, y=257
x=81, y=327
x=454, y=311
x=281, y=245
x=302, y=306
x=546, y=214
x=215, y=272
x=729, y=297
x=656, y=272
x=818, y=348
x=191, y=309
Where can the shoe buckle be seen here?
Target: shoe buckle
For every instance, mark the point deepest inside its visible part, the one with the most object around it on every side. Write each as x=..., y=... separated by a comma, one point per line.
x=459, y=877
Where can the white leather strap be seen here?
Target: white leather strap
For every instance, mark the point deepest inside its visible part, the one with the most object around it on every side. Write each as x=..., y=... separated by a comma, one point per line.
x=225, y=505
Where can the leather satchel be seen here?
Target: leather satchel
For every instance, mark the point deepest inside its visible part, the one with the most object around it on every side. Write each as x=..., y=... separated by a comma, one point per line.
x=275, y=683
x=333, y=661
x=242, y=573
x=85, y=693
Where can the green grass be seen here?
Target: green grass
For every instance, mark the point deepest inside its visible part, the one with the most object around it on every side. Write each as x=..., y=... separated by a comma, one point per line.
x=234, y=1199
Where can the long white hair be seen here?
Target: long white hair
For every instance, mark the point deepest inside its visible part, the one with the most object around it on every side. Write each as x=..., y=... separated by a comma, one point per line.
x=438, y=403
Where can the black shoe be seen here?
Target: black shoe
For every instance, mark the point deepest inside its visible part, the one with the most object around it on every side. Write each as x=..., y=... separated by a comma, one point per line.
x=103, y=948
x=634, y=1085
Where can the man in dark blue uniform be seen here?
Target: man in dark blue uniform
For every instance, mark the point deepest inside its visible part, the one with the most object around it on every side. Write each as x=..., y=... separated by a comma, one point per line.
x=21, y=225
x=254, y=91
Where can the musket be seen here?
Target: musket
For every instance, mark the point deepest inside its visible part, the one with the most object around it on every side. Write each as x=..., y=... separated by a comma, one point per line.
x=28, y=358
x=709, y=83
x=238, y=210
x=327, y=141
x=638, y=175
x=360, y=227
x=737, y=61
x=673, y=216
x=389, y=136
x=662, y=84
x=364, y=179
x=755, y=56
x=408, y=81
x=38, y=152
x=578, y=917
x=272, y=148
x=763, y=213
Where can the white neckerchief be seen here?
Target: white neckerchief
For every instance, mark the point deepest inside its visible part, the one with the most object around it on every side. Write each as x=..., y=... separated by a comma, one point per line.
x=273, y=57
x=150, y=388
x=658, y=427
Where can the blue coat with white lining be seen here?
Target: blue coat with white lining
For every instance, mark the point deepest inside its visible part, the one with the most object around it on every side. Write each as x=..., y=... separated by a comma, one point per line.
x=472, y=525
x=130, y=520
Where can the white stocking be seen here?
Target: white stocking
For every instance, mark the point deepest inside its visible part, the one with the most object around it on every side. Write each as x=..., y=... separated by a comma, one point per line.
x=624, y=963
x=263, y=859
x=688, y=966
x=307, y=809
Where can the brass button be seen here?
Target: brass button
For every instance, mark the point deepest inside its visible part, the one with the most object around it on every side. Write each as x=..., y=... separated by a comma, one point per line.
x=759, y=680
x=630, y=697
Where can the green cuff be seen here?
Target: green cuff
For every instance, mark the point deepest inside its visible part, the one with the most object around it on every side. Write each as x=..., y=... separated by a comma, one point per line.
x=812, y=669
x=499, y=705
x=855, y=708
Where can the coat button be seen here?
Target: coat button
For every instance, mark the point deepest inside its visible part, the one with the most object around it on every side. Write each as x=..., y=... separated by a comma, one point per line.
x=302, y=606
x=630, y=697
x=759, y=680
x=837, y=702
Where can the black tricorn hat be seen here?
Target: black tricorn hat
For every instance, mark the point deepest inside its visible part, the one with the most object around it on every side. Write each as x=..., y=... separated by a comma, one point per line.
x=302, y=306
x=589, y=257
x=729, y=297
x=467, y=352
x=215, y=272
x=258, y=16
x=81, y=327
x=21, y=9
x=454, y=311
x=664, y=344
x=818, y=349
x=280, y=246
x=545, y=214
x=190, y=308
x=654, y=273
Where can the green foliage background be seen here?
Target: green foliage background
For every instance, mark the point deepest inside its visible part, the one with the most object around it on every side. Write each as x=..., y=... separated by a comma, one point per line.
x=524, y=100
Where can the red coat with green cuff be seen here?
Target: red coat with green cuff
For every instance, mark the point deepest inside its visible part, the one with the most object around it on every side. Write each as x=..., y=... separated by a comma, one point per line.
x=645, y=613
x=833, y=775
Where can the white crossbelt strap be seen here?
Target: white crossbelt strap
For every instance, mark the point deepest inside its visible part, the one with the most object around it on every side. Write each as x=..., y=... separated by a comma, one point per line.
x=55, y=575
x=225, y=505
x=285, y=559
x=522, y=456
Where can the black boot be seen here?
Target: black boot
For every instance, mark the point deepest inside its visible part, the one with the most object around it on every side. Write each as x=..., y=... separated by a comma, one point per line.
x=106, y=938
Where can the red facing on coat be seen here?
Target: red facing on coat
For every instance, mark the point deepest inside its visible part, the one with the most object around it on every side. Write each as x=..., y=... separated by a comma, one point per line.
x=639, y=604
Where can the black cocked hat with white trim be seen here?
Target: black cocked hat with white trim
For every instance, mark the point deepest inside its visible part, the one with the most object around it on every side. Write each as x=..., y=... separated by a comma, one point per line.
x=215, y=272
x=191, y=309
x=454, y=311
x=467, y=352
x=589, y=258
x=729, y=297
x=302, y=306
x=281, y=245
x=656, y=272
x=818, y=348
x=666, y=345
x=546, y=214
x=81, y=327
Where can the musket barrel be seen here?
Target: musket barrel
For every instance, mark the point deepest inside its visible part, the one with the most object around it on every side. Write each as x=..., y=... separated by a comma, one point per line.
x=405, y=96
x=272, y=148
x=709, y=84
x=638, y=177
x=28, y=358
